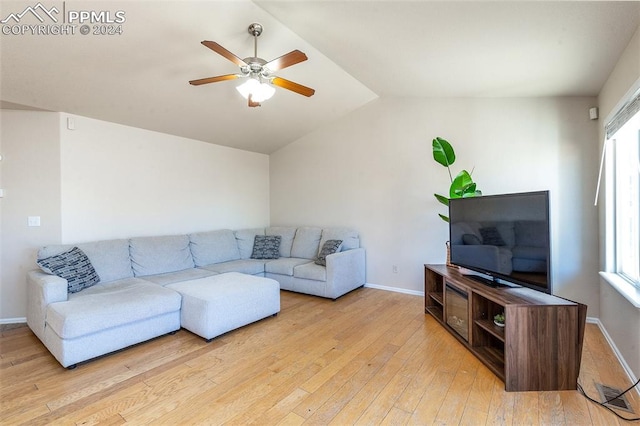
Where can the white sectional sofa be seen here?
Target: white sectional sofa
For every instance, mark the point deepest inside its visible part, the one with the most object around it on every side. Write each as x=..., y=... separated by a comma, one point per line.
x=146, y=282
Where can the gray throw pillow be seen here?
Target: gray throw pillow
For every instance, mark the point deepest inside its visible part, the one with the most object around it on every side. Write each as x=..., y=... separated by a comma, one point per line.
x=471, y=240
x=74, y=266
x=491, y=236
x=266, y=247
x=329, y=247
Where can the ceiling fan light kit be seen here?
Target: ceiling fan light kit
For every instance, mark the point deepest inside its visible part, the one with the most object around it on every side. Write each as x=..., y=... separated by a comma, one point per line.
x=258, y=91
x=259, y=73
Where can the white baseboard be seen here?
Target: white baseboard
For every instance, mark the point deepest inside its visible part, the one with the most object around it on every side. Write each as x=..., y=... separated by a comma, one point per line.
x=395, y=289
x=615, y=350
x=22, y=320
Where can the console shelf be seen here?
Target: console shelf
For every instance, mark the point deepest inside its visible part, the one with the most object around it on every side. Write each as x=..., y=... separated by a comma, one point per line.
x=491, y=328
x=540, y=347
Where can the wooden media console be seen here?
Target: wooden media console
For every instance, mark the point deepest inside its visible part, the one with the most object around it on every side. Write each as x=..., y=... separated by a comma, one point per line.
x=538, y=349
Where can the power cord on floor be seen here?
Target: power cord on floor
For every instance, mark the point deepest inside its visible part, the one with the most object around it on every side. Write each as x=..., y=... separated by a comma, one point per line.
x=635, y=419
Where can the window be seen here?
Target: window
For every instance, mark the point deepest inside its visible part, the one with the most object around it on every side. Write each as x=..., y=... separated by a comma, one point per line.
x=623, y=134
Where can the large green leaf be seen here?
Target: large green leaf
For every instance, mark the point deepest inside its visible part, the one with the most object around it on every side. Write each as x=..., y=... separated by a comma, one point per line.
x=461, y=185
x=443, y=152
x=443, y=200
x=476, y=193
x=443, y=217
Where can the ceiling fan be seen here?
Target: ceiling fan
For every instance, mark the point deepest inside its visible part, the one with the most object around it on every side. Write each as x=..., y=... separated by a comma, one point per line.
x=257, y=71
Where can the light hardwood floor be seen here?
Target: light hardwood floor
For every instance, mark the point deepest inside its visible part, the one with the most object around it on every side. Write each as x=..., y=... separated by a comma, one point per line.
x=371, y=357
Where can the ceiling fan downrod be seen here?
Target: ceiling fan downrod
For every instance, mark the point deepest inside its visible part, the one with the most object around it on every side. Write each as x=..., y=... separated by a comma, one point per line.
x=255, y=30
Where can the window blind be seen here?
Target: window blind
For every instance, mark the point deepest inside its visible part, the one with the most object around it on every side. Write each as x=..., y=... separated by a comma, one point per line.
x=623, y=115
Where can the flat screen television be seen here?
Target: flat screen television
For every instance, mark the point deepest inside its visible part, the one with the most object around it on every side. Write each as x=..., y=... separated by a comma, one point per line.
x=506, y=238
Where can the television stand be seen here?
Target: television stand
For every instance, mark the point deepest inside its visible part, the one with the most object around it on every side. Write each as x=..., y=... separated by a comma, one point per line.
x=538, y=349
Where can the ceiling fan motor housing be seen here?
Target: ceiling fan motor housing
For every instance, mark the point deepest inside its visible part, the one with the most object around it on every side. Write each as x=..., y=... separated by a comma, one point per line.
x=255, y=66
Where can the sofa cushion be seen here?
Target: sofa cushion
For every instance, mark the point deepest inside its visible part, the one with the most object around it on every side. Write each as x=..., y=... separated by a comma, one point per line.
x=266, y=247
x=349, y=237
x=110, y=305
x=157, y=255
x=287, y=234
x=246, y=266
x=329, y=247
x=74, y=266
x=110, y=258
x=306, y=243
x=310, y=271
x=284, y=265
x=178, y=276
x=245, y=239
x=214, y=247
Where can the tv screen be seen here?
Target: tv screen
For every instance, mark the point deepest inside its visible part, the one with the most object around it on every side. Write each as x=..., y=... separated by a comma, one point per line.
x=505, y=237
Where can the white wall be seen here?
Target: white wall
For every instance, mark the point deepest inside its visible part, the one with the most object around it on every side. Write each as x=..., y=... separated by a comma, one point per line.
x=30, y=177
x=374, y=170
x=104, y=180
x=619, y=317
x=120, y=181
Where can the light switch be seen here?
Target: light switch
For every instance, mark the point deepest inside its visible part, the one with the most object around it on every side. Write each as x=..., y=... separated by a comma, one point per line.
x=33, y=221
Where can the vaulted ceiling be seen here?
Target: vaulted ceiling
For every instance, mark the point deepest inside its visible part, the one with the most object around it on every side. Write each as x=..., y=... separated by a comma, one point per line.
x=357, y=50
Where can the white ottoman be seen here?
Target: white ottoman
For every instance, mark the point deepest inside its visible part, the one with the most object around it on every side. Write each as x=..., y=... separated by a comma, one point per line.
x=214, y=305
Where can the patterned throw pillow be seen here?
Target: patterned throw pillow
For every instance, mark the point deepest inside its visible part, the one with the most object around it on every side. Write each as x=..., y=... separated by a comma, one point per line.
x=491, y=236
x=74, y=266
x=329, y=247
x=266, y=247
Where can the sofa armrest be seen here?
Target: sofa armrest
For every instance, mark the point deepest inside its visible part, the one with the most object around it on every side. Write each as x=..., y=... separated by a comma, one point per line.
x=345, y=272
x=42, y=290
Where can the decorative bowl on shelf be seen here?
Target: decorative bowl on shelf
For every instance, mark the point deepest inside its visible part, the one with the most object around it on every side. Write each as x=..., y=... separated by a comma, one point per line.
x=499, y=320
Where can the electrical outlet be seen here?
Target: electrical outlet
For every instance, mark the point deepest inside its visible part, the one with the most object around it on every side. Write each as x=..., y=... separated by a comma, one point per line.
x=394, y=268
x=33, y=221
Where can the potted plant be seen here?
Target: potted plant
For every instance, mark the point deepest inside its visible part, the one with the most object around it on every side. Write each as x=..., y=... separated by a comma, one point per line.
x=462, y=185
x=499, y=319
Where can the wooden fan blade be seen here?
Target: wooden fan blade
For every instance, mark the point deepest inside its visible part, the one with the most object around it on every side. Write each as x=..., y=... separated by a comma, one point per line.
x=284, y=61
x=294, y=87
x=213, y=79
x=224, y=52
